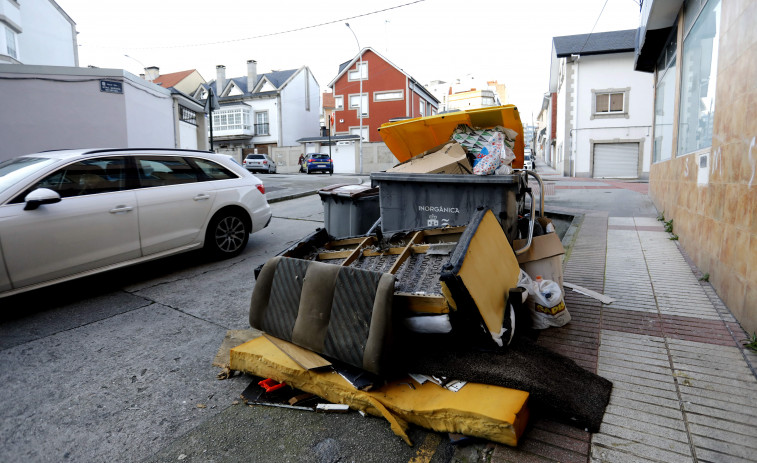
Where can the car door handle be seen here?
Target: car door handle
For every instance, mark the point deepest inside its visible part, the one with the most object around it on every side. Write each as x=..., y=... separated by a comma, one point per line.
x=201, y=197
x=121, y=208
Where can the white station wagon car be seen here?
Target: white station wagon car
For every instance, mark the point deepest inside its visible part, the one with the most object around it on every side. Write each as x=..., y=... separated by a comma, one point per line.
x=68, y=214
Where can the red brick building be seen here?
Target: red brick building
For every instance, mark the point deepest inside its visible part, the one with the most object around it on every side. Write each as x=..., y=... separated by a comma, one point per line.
x=387, y=93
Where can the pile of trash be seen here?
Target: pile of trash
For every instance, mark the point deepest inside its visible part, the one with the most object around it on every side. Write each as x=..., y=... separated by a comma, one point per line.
x=478, y=151
x=380, y=347
x=432, y=326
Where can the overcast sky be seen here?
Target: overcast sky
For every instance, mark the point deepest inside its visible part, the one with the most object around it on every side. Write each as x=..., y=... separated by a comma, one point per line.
x=507, y=41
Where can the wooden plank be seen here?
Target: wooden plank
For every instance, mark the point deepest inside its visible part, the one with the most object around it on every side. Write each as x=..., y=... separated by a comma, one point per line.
x=406, y=252
x=358, y=250
x=388, y=252
x=444, y=231
x=418, y=303
x=348, y=241
x=334, y=255
x=307, y=359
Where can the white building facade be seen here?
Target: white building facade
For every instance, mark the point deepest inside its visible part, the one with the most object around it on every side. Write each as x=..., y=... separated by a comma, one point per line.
x=53, y=107
x=604, y=108
x=37, y=32
x=260, y=112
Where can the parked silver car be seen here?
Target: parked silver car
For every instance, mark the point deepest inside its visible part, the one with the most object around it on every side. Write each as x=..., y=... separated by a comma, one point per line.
x=68, y=214
x=260, y=163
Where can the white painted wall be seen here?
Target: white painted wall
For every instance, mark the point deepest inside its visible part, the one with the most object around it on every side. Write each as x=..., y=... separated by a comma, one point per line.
x=187, y=136
x=39, y=114
x=48, y=37
x=344, y=157
x=560, y=134
x=300, y=119
x=149, y=116
x=271, y=106
x=614, y=71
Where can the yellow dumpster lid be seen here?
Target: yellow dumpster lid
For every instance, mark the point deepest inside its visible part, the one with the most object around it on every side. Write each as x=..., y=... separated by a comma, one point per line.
x=412, y=137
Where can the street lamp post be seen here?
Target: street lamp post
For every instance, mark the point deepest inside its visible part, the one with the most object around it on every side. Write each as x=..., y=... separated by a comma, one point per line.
x=360, y=105
x=138, y=61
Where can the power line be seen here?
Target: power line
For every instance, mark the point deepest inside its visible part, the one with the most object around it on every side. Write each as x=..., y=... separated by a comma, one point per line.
x=592, y=29
x=281, y=32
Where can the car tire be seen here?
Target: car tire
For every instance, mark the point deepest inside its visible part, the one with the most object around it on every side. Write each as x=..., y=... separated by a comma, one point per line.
x=227, y=234
x=309, y=172
x=331, y=172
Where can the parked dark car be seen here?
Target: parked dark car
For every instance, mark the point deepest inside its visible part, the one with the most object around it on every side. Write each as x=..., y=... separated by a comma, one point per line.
x=319, y=162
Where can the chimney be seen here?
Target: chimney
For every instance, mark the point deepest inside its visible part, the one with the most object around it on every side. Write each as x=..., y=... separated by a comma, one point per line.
x=220, y=79
x=152, y=73
x=252, y=74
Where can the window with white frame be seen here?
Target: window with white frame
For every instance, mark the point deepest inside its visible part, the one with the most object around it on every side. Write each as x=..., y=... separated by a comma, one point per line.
x=389, y=95
x=10, y=43
x=231, y=119
x=609, y=103
x=262, y=127
x=363, y=133
x=360, y=72
x=356, y=102
x=422, y=107
x=338, y=103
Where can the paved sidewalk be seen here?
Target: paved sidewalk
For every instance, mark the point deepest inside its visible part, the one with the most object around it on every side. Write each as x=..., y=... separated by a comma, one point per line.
x=685, y=388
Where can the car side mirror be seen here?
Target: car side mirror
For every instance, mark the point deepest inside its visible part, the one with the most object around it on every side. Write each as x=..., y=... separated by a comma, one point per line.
x=39, y=197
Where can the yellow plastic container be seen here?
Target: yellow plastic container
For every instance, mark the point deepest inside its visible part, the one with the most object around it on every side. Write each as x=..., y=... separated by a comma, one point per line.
x=412, y=137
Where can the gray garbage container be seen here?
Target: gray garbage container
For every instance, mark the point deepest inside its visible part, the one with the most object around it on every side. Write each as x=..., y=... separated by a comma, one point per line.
x=412, y=201
x=349, y=210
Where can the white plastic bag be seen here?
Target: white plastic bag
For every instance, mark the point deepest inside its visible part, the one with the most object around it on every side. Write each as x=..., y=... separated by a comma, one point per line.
x=545, y=302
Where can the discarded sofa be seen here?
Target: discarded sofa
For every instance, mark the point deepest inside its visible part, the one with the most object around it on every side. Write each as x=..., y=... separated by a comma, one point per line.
x=341, y=312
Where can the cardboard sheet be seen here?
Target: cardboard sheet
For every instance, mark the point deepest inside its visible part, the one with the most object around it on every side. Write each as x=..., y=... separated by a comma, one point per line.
x=449, y=158
x=494, y=413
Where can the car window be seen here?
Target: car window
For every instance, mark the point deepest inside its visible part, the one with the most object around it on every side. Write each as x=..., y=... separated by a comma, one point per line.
x=255, y=156
x=91, y=176
x=321, y=157
x=20, y=169
x=164, y=170
x=213, y=170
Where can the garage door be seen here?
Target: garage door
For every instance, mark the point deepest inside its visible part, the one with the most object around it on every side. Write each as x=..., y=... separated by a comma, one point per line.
x=343, y=156
x=616, y=160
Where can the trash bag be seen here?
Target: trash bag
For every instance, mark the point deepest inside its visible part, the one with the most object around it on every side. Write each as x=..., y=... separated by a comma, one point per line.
x=545, y=302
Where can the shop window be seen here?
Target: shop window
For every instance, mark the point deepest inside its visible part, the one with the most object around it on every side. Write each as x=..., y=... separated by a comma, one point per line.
x=698, y=76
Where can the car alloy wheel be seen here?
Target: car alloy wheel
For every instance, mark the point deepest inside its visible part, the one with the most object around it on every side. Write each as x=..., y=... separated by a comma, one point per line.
x=227, y=235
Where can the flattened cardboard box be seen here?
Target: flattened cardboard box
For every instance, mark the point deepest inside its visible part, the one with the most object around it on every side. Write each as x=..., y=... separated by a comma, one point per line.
x=449, y=158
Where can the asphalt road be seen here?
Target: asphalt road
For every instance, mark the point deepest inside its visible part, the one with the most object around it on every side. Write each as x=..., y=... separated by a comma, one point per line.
x=117, y=367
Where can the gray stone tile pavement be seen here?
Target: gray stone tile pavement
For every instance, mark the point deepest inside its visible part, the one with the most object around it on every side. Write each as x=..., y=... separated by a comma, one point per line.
x=685, y=388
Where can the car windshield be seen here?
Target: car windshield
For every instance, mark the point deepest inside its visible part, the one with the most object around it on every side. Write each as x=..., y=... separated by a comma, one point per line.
x=15, y=170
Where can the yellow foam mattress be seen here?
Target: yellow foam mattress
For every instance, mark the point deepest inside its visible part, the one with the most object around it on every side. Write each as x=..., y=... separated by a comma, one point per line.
x=494, y=413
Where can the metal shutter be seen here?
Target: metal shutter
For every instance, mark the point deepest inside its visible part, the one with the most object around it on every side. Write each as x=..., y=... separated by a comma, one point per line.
x=616, y=160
